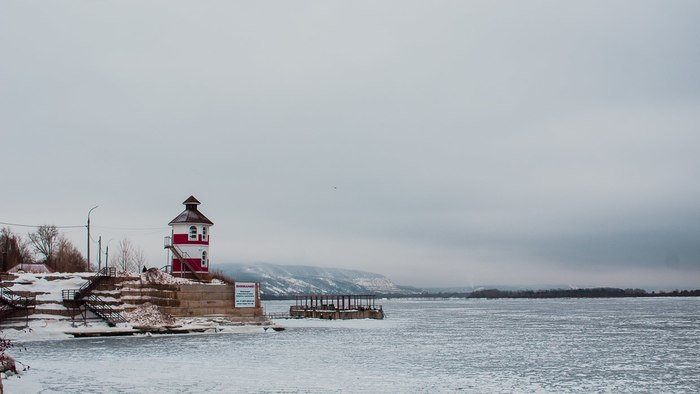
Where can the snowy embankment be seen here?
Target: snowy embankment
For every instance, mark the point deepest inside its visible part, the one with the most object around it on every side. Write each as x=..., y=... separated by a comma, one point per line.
x=47, y=288
x=52, y=319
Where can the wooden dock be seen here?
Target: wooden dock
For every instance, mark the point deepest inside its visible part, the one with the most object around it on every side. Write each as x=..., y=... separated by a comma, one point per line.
x=336, y=306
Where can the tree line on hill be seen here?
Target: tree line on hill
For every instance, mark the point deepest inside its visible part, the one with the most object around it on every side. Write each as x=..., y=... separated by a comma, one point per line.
x=48, y=246
x=595, y=292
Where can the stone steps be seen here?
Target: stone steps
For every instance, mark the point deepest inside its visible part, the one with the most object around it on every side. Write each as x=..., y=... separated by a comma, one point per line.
x=147, y=291
x=180, y=300
x=163, y=302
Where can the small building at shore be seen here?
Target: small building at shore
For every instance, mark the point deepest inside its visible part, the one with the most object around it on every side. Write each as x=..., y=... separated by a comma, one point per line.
x=189, y=241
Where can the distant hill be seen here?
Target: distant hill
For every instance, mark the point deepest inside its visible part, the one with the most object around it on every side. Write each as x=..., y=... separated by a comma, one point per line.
x=284, y=280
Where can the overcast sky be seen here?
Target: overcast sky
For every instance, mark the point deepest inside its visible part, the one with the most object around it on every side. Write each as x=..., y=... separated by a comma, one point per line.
x=440, y=143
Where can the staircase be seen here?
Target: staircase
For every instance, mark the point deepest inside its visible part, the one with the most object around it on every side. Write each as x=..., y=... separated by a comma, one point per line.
x=11, y=302
x=84, y=296
x=181, y=256
x=103, y=310
x=95, y=280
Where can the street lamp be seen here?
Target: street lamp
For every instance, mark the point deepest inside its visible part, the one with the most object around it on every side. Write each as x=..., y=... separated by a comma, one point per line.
x=107, y=253
x=88, y=236
x=99, y=253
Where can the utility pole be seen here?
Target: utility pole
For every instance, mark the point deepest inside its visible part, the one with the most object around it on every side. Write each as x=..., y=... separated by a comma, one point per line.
x=107, y=254
x=99, y=253
x=4, y=255
x=88, y=236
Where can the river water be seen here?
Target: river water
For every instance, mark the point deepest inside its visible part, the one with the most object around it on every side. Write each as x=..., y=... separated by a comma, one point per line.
x=562, y=345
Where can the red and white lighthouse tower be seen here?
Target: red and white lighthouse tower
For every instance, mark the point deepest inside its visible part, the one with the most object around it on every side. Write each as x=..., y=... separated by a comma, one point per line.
x=190, y=240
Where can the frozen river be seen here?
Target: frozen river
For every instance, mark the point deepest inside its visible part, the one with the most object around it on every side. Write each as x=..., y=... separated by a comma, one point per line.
x=583, y=345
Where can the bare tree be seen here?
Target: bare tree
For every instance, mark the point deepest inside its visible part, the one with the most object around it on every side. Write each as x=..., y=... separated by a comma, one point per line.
x=67, y=257
x=13, y=250
x=44, y=241
x=139, y=258
x=128, y=258
x=125, y=256
x=58, y=252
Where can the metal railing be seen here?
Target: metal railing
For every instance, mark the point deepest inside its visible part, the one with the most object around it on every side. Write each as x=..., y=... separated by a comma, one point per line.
x=11, y=302
x=182, y=256
x=15, y=300
x=102, y=309
x=5, y=277
x=94, y=303
x=69, y=295
x=88, y=286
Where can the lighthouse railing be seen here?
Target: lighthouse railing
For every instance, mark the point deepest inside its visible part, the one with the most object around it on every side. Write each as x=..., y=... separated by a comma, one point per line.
x=183, y=256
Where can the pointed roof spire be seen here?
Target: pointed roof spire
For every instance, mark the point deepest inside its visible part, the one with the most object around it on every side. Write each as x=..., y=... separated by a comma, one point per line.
x=191, y=200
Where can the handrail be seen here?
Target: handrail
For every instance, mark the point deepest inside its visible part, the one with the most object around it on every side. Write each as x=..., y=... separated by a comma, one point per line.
x=105, y=272
x=6, y=277
x=11, y=301
x=69, y=294
x=15, y=300
x=102, y=309
x=96, y=304
x=181, y=256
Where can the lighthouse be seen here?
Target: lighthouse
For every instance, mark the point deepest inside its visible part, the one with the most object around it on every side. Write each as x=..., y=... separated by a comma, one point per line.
x=189, y=242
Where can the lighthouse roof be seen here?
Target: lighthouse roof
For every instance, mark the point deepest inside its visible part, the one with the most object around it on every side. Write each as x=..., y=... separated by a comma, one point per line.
x=191, y=214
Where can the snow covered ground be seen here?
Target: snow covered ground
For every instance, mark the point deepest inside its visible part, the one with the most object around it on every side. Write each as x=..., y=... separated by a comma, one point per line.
x=49, y=285
x=40, y=328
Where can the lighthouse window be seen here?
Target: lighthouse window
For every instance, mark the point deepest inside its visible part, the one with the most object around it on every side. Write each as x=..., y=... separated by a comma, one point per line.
x=193, y=232
x=204, y=259
x=204, y=232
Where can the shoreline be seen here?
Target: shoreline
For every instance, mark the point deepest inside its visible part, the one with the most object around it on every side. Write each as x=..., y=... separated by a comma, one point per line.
x=47, y=329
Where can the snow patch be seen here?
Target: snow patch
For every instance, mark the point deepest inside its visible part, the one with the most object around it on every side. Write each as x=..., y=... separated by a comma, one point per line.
x=149, y=315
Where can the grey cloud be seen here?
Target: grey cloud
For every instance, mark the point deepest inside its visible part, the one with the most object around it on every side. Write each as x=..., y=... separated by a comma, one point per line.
x=488, y=140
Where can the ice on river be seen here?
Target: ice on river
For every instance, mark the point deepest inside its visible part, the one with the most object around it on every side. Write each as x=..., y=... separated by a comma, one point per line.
x=571, y=345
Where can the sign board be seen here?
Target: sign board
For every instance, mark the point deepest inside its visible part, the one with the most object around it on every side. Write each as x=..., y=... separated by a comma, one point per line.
x=245, y=295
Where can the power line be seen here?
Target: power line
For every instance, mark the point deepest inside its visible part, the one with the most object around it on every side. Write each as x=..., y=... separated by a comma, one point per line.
x=131, y=228
x=36, y=226
x=82, y=226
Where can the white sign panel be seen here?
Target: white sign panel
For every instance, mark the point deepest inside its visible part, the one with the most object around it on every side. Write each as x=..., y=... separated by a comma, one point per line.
x=245, y=295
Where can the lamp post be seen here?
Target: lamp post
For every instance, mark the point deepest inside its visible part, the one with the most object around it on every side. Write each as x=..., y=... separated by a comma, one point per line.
x=99, y=253
x=107, y=253
x=88, y=236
